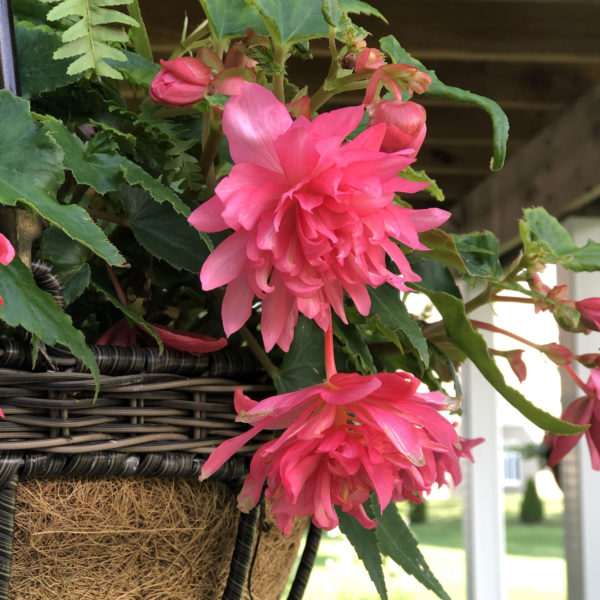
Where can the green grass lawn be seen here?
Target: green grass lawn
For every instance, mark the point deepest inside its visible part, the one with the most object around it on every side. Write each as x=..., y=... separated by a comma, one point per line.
x=535, y=567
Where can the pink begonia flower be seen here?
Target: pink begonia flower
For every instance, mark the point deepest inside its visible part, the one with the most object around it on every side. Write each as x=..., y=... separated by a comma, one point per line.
x=124, y=334
x=583, y=411
x=405, y=122
x=343, y=439
x=7, y=253
x=313, y=217
x=589, y=308
x=181, y=82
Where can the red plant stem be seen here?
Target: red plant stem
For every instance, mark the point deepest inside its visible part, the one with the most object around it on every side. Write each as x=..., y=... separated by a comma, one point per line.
x=490, y=327
x=330, y=369
x=513, y=299
x=118, y=289
x=577, y=380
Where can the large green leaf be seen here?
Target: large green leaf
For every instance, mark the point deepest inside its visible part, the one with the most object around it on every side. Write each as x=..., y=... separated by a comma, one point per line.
x=461, y=333
x=293, y=20
x=136, y=68
x=31, y=171
x=70, y=262
x=434, y=275
x=107, y=172
x=303, y=364
x=232, y=18
x=139, y=35
x=392, y=317
x=546, y=238
x=397, y=541
x=366, y=546
x=358, y=6
x=38, y=71
x=153, y=226
x=36, y=311
x=437, y=89
x=479, y=252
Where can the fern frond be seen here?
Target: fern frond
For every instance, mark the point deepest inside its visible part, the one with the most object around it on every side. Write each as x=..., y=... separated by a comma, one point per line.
x=89, y=38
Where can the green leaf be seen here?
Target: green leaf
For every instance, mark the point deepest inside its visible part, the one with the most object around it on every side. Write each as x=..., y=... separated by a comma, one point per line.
x=139, y=35
x=38, y=71
x=355, y=346
x=105, y=172
x=367, y=549
x=70, y=262
x=135, y=68
x=153, y=226
x=437, y=89
x=461, y=333
x=89, y=37
x=442, y=248
x=303, y=364
x=434, y=275
x=132, y=316
x=36, y=311
x=545, y=238
x=433, y=189
x=332, y=12
x=480, y=254
x=396, y=540
x=31, y=171
x=358, y=6
x=292, y=21
x=390, y=314
x=232, y=18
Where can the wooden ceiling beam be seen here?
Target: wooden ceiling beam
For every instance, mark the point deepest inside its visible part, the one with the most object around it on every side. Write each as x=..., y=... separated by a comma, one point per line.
x=557, y=169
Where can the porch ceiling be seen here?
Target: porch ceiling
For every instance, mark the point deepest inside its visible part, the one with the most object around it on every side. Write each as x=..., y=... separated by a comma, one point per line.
x=534, y=57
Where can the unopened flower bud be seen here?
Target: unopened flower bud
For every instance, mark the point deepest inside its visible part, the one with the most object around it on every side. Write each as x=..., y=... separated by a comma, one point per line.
x=369, y=59
x=589, y=309
x=405, y=124
x=181, y=82
x=557, y=353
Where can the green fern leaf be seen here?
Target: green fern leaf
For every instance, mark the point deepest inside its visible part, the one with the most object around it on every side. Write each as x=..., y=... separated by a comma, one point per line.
x=89, y=38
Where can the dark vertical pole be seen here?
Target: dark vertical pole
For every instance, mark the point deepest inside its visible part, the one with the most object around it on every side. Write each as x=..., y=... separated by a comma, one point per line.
x=8, y=56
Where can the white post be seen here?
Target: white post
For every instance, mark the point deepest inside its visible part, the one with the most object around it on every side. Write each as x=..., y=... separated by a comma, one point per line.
x=580, y=484
x=483, y=516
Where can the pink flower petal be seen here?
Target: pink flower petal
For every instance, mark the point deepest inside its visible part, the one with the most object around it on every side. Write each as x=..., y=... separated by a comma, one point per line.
x=188, y=341
x=237, y=304
x=7, y=252
x=208, y=216
x=224, y=265
x=252, y=121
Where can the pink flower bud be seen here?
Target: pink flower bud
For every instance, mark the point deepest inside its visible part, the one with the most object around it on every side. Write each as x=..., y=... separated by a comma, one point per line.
x=405, y=124
x=369, y=59
x=589, y=309
x=557, y=353
x=7, y=252
x=181, y=82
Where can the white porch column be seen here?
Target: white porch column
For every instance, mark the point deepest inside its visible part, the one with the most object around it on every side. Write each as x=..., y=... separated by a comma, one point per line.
x=483, y=516
x=580, y=484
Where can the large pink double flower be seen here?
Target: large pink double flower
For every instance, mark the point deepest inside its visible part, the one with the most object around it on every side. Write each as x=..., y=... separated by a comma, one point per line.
x=312, y=216
x=343, y=439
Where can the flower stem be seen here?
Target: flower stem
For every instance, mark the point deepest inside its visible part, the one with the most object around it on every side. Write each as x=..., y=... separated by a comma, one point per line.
x=495, y=329
x=210, y=148
x=498, y=298
x=330, y=369
x=280, y=56
x=577, y=380
x=258, y=351
x=104, y=215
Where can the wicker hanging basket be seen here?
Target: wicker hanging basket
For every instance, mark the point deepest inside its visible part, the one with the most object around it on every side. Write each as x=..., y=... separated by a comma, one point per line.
x=102, y=499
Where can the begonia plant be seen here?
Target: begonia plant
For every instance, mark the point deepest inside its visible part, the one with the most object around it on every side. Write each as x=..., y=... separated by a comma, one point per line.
x=208, y=200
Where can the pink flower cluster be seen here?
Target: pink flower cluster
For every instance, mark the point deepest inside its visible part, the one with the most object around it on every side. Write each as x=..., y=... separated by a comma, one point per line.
x=312, y=216
x=343, y=439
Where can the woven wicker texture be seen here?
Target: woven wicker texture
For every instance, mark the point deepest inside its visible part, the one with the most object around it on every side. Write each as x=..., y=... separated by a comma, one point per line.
x=142, y=411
